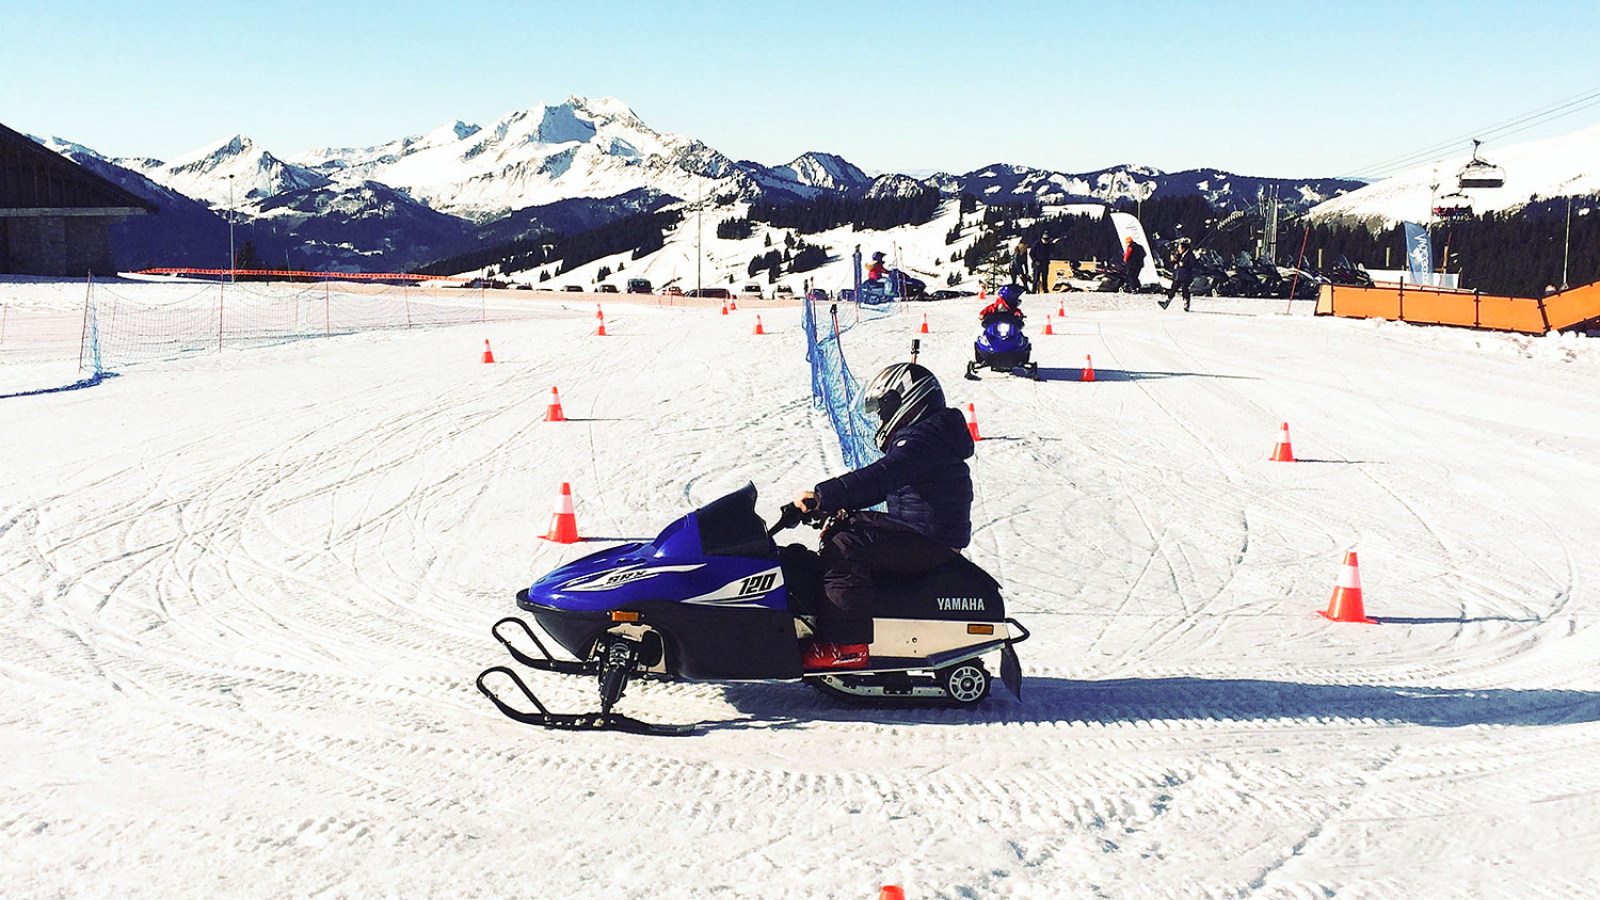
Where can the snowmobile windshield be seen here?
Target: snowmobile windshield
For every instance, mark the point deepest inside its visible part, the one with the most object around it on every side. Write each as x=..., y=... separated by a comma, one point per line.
x=729, y=526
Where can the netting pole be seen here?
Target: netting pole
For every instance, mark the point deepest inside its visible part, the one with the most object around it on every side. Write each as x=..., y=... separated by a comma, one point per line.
x=327, y=307
x=405, y=291
x=4, y=308
x=222, y=290
x=84, y=340
x=483, y=301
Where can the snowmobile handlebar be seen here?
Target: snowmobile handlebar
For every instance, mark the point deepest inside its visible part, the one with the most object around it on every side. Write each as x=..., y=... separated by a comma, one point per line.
x=790, y=516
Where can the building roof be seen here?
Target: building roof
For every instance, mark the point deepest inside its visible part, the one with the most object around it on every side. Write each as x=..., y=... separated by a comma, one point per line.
x=35, y=180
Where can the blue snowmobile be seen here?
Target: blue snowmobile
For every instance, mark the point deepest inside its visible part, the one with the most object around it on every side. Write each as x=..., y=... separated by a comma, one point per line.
x=713, y=598
x=1003, y=346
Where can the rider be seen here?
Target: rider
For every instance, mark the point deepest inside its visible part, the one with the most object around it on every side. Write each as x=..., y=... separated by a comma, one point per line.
x=1008, y=301
x=923, y=476
x=876, y=269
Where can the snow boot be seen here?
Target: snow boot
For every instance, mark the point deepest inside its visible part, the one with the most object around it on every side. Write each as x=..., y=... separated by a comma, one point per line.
x=822, y=656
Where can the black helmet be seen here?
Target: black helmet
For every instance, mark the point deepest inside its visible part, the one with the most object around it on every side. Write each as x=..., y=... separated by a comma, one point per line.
x=877, y=256
x=900, y=395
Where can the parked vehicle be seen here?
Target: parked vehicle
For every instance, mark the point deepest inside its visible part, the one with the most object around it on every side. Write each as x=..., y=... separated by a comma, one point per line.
x=608, y=289
x=672, y=291
x=713, y=293
x=571, y=287
x=639, y=286
x=782, y=292
x=751, y=290
x=1346, y=272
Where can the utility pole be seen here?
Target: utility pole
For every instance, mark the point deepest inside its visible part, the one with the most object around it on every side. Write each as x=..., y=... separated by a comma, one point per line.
x=699, y=210
x=1566, y=246
x=232, y=256
x=1433, y=188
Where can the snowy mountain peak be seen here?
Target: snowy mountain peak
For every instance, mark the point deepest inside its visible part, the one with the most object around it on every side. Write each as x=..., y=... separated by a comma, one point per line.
x=214, y=154
x=457, y=130
x=895, y=186
x=824, y=170
x=561, y=125
x=65, y=147
x=608, y=109
x=233, y=171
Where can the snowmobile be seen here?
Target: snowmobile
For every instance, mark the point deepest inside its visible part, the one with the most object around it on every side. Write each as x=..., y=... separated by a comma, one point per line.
x=1003, y=347
x=1113, y=278
x=713, y=598
x=894, y=285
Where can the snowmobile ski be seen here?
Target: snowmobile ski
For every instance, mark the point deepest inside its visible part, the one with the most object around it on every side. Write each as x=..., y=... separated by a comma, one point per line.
x=602, y=721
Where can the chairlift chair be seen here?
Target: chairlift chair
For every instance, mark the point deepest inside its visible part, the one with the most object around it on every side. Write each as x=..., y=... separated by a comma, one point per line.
x=1479, y=172
x=1452, y=207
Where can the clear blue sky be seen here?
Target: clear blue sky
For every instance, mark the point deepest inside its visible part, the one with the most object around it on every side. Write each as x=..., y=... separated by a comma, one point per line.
x=1266, y=88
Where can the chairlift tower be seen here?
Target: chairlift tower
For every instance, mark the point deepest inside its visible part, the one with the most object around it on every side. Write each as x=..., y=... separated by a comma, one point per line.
x=1267, y=202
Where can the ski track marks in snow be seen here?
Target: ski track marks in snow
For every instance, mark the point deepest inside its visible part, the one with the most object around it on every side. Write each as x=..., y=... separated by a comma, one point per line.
x=245, y=597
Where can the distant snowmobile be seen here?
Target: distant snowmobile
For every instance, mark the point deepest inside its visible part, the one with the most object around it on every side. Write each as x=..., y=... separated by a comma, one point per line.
x=1003, y=346
x=894, y=285
x=713, y=598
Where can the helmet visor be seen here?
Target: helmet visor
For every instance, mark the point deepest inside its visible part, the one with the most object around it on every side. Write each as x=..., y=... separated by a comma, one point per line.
x=881, y=407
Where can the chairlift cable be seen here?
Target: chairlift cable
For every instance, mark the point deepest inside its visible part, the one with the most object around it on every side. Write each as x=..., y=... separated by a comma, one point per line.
x=1553, y=110
x=1505, y=128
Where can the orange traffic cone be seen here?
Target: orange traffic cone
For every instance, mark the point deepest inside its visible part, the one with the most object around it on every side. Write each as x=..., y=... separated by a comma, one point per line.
x=1047, y=328
x=972, y=422
x=564, y=524
x=891, y=892
x=597, y=313
x=1061, y=309
x=980, y=292
x=724, y=307
x=552, y=412
x=1282, y=452
x=1088, y=369
x=601, y=331
x=758, y=325
x=733, y=304
x=488, y=355
x=1346, y=604
x=924, y=328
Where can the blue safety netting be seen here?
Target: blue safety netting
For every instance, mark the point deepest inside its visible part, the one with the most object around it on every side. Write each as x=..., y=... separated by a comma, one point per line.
x=833, y=388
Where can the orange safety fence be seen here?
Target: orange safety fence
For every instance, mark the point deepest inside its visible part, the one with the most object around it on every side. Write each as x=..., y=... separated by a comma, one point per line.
x=289, y=273
x=1466, y=309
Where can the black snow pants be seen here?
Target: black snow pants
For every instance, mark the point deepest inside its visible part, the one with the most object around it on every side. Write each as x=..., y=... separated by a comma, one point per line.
x=1180, y=283
x=856, y=549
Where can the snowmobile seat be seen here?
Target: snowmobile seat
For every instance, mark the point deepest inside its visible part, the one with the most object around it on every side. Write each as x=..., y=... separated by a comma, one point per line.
x=958, y=590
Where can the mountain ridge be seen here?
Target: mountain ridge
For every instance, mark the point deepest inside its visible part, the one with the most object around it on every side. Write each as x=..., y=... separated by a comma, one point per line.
x=459, y=178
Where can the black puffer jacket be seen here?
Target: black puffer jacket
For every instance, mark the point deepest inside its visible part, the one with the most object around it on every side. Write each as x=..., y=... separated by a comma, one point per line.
x=923, y=476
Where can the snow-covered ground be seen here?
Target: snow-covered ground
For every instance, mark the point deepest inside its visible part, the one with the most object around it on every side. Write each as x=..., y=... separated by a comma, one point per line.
x=244, y=595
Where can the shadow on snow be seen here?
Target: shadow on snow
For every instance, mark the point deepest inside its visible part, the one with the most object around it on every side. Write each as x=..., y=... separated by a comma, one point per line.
x=1060, y=700
x=1060, y=374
